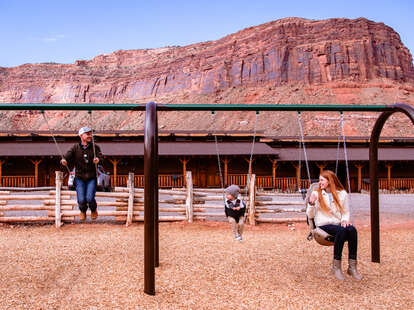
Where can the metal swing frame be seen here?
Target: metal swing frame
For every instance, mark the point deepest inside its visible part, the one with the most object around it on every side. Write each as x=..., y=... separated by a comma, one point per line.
x=151, y=250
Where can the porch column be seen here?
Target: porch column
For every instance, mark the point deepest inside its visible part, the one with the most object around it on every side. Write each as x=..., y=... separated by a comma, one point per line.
x=297, y=167
x=36, y=163
x=321, y=166
x=184, y=162
x=274, y=167
x=2, y=161
x=389, y=166
x=115, y=172
x=250, y=171
x=359, y=167
x=226, y=167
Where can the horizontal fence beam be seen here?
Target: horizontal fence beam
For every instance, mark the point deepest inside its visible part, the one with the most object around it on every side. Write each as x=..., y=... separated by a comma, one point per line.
x=192, y=107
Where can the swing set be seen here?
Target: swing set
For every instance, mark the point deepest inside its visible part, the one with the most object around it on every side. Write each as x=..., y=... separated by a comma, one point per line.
x=151, y=233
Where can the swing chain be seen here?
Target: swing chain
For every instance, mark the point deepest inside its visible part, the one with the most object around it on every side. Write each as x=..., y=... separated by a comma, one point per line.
x=339, y=143
x=251, y=152
x=93, y=140
x=302, y=141
x=54, y=139
x=213, y=119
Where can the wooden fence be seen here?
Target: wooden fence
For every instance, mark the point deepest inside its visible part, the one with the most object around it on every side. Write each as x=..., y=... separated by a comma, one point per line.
x=284, y=184
x=126, y=204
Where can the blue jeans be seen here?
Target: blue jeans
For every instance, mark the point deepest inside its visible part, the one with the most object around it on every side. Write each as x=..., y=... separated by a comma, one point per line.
x=341, y=235
x=85, y=192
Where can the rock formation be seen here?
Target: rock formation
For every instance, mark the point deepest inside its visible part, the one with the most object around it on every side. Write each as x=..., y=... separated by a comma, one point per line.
x=287, y=61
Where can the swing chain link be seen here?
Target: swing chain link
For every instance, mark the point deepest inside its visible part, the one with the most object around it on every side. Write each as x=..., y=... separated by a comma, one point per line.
x=213, y=119
x=302, y=142
x=252, y=152
x=54, y=139
x=93, y=140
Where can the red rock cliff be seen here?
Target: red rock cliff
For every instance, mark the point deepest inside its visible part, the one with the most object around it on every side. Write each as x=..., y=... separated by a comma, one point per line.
x=291, y=60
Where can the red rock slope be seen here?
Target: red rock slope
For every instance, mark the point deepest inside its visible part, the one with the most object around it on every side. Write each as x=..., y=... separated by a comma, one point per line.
x=287, y=61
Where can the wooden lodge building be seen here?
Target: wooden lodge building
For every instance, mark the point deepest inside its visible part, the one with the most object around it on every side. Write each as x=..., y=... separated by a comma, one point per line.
x=30, y=159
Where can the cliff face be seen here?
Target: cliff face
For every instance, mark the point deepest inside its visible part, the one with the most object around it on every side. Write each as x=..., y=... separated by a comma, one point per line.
x=286, y=61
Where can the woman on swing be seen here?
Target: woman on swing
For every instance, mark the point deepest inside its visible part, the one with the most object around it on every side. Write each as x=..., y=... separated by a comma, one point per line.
x=330, y=208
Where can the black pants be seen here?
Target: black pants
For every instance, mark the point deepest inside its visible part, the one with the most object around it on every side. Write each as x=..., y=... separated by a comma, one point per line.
x=341, y=235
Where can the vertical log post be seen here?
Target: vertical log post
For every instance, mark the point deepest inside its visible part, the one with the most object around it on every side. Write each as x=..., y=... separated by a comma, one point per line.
x=130, y=199
x=115, y=168
x=184, y=162
x=274, y=167
x=321, y=166
x=389, y=166
x=226, y=171
x=252, y=200
x=1, y=171
x=297, y=167
x=58, y=214
x=359, y=167
x=36, y=164
x=189, y=197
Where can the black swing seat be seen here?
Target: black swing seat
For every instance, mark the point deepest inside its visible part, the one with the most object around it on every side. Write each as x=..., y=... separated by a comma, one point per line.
x=316, y=233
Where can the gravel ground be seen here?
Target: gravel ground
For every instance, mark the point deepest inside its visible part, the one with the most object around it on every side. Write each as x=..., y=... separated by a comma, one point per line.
x=100, y=266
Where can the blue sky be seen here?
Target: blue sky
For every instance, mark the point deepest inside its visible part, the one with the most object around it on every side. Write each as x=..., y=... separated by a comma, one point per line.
x=64, y=31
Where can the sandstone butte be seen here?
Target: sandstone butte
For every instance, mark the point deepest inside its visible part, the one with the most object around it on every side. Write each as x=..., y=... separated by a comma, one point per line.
x=287, y=61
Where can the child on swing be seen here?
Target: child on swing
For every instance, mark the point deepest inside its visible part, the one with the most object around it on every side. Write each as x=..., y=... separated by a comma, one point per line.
x=235, y=208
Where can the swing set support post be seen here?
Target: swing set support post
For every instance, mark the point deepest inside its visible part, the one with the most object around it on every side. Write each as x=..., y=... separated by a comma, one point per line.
x=150, y=198
x=373, y=173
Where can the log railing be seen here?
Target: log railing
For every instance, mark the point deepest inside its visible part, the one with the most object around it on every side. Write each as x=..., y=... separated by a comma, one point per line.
x=391, y=184
x=286, y=184
x=164, y=180
x=17, y=181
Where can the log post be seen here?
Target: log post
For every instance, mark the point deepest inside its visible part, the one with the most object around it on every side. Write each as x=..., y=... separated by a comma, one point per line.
x=1, y=171
x=115, y=173
x=36, y=164
x=189, y=197
x=321, y=166
x=226, y=170
x=58, y=215
x=252, y=200
x=389, y=166
x=359, y=167
x=184, y=162
x=130, y=199
x=297, y=167
x=274, y=167
x=250, y=170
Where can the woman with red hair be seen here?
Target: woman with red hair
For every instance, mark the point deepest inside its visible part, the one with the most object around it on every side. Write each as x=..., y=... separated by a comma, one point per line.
x=329, y=206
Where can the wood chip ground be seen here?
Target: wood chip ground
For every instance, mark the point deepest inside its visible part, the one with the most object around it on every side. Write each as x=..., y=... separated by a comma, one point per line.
x=100, y=266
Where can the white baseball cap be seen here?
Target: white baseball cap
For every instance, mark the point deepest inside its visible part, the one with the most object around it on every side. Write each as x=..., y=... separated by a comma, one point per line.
x=84, y=130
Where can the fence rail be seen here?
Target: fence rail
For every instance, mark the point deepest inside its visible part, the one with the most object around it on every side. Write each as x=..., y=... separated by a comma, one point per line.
x=392, y=184
x=17, y=181
x=285, y=184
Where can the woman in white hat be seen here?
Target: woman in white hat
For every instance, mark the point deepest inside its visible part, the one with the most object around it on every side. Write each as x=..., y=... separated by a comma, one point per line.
x=84, y=157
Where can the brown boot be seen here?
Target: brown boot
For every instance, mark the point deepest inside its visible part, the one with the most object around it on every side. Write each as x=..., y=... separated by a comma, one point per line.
x=337, y=269
x=94, y=215
x=82, y=216
x=352, y=269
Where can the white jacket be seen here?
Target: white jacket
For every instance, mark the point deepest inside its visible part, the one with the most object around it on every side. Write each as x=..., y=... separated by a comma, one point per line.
x=334, y=216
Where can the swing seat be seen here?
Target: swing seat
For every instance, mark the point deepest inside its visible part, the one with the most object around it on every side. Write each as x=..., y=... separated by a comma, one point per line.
x=316, y=233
